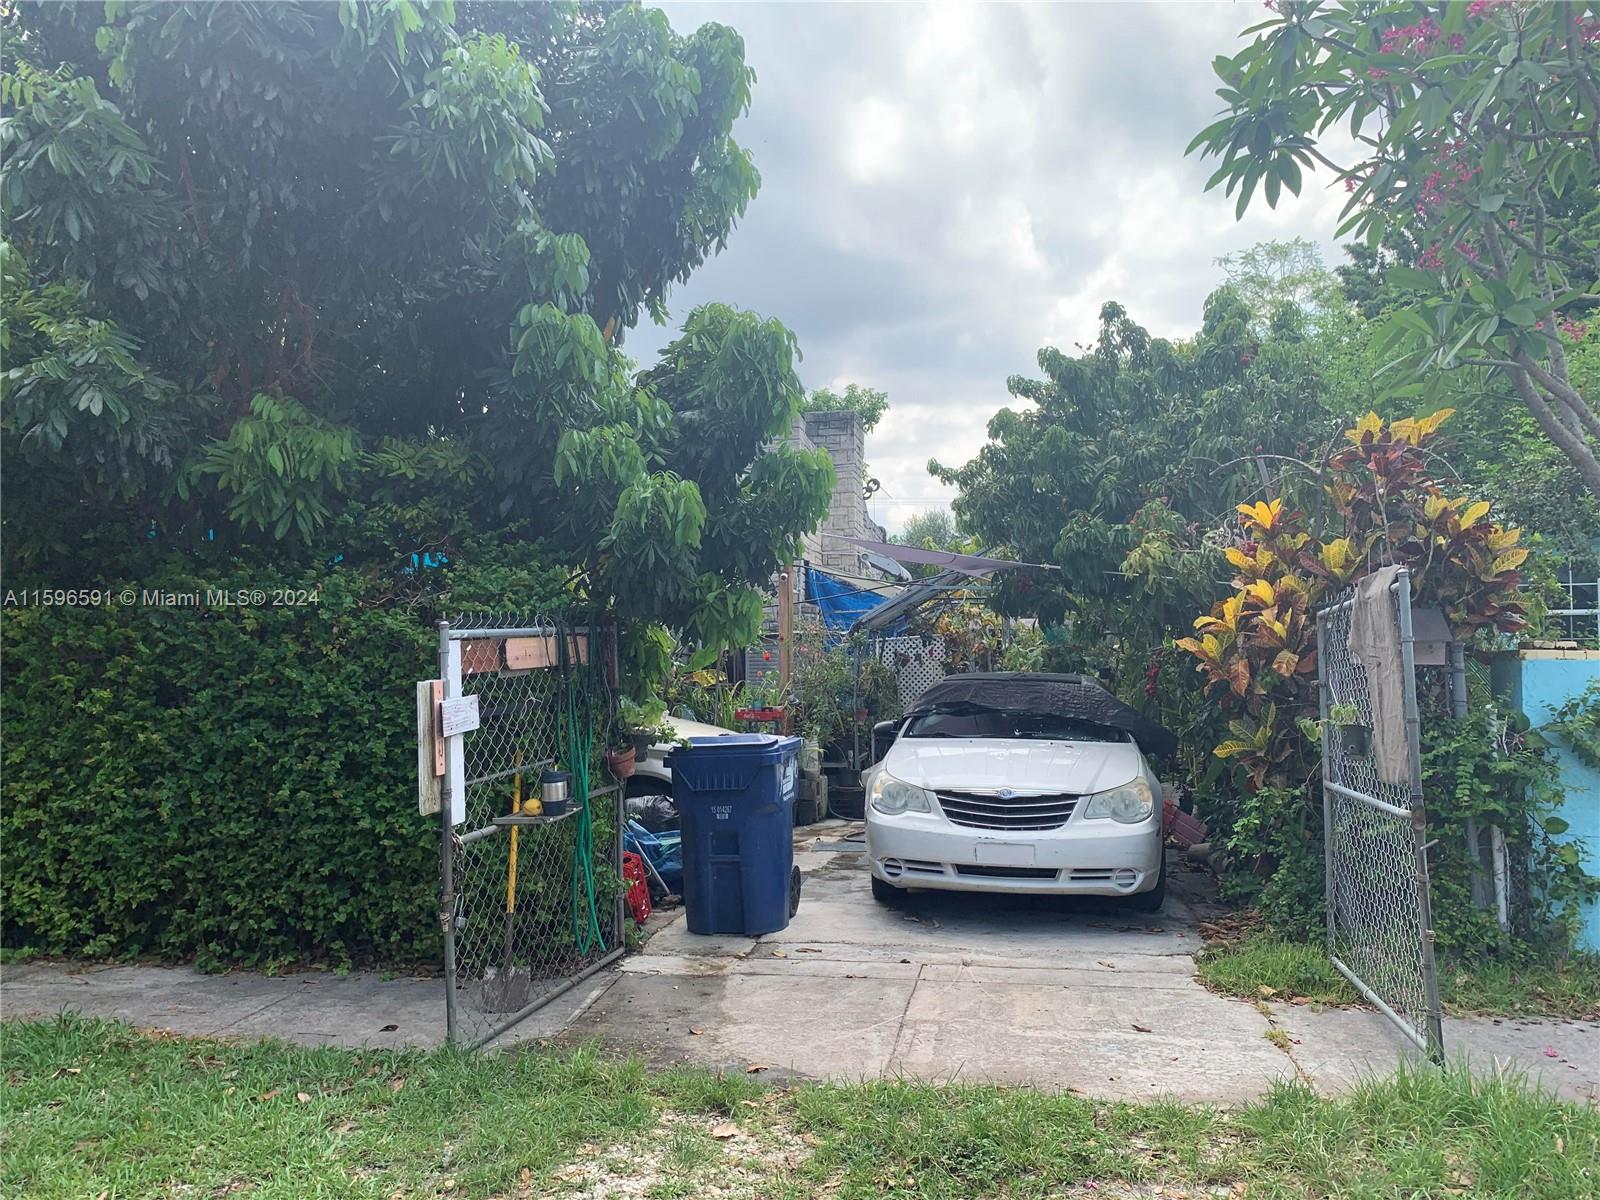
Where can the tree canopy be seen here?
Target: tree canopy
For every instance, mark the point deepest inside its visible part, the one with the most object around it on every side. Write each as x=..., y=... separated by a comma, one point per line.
x=352, y=280
x=1130, y=451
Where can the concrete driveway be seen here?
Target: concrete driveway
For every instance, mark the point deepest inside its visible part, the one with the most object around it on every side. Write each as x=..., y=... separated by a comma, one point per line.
x=1060, y=994
x=1054, y=994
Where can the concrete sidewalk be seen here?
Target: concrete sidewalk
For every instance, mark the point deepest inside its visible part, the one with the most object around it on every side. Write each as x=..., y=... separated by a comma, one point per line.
x=1046, y=993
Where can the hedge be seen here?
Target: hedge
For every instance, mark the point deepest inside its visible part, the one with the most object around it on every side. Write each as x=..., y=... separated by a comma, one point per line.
x=230, y=785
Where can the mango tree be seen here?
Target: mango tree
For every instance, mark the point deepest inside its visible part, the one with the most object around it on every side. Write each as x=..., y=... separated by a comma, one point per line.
x=351, y=282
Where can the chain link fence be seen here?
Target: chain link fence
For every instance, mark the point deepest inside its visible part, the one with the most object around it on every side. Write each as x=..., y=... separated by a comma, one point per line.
x=532, y=900
x=1379, y=925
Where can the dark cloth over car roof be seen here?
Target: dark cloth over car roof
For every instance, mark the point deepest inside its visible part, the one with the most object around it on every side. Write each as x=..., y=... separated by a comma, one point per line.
x=1074, y=696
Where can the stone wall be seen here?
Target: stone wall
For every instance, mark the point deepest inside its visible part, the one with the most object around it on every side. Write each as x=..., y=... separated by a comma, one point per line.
x=842, y=435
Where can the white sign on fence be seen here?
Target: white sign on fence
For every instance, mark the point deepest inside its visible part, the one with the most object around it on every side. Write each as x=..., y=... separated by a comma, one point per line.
x=458, y=716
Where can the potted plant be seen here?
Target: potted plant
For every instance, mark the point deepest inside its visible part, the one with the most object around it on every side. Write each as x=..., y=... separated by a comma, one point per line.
x=646, y=724
x=1355, y=739
x=621, y=760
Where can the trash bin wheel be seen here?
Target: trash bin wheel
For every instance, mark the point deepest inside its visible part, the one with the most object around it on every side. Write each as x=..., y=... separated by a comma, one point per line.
x=794, y=890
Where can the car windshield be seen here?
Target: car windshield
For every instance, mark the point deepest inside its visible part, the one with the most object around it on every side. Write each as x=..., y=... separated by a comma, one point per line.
x=996, y=723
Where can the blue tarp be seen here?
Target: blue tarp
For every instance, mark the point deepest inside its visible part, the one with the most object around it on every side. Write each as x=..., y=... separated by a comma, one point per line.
x=839, y=601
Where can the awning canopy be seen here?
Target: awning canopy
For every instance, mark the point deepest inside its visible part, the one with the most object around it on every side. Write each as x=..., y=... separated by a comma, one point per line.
x=976, y=565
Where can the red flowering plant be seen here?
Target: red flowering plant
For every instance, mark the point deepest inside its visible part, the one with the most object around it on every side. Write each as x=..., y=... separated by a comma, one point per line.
x=1380, y=503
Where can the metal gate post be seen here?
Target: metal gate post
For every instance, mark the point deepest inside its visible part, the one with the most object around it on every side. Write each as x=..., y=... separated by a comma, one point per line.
x=447, y=860
x=1419, y=826
x=1458, y=680
x=1328, y=897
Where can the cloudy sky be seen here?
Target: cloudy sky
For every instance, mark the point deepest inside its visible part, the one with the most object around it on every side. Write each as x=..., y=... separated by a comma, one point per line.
x=945, y=189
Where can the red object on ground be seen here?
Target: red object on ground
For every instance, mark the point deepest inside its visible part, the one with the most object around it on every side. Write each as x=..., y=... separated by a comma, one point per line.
x=1185, y=828
x=633, y=874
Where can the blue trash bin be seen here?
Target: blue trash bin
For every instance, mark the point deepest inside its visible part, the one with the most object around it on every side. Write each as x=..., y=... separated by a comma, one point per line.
x=735, y=797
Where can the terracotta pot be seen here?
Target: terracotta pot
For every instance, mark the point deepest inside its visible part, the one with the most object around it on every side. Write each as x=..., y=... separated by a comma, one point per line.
x=621, y=762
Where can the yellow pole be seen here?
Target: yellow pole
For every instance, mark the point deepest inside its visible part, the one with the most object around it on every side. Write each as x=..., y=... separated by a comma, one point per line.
x=516, y=810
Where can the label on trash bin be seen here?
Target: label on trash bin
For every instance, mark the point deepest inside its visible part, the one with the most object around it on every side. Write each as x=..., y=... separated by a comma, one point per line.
x=722, y=812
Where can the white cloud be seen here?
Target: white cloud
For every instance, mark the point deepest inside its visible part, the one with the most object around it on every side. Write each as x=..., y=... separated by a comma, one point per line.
x=948, y=188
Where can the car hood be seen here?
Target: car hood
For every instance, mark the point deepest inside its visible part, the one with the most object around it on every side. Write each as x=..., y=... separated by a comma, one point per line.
x=686, y=728
x=989, y=764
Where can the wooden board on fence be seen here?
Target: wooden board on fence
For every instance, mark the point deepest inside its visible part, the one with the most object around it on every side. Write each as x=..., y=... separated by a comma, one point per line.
x=429, y=748
x=480, y=655
x=537, y=653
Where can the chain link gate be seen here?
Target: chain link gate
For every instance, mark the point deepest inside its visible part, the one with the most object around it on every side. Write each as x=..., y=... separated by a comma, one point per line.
x=1380, y=927
x=530, y=905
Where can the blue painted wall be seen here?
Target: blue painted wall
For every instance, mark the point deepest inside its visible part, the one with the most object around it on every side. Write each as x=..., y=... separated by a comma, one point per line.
x=1548, y=679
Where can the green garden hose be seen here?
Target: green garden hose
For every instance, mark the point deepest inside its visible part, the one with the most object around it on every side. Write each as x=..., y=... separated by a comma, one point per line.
x=577, y=743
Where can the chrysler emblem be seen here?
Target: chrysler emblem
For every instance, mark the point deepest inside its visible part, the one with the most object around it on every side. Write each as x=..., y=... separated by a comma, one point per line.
x=1005, y=793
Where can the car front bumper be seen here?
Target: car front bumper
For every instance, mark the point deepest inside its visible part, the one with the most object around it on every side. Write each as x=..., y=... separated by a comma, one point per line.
x=1084, y=858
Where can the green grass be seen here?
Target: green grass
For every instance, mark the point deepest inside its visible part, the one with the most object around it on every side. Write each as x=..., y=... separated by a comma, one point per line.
x=93, y=1108
x=1568, y=988
x=1264, y=967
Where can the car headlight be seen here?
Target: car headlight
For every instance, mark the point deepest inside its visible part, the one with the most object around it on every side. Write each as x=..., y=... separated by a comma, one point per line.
x=1130, y=803
x=892, y=796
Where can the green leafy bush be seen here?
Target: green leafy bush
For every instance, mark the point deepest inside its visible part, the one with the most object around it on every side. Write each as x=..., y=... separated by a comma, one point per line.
x=1489, y=768
x=1577, y=725
x=237, y=785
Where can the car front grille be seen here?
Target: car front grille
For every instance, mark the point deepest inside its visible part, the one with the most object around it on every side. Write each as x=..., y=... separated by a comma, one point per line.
x=984, y=810
x=1008, y=872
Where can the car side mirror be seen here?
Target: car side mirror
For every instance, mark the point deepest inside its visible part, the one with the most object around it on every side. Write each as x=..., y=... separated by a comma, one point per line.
x=883, y=735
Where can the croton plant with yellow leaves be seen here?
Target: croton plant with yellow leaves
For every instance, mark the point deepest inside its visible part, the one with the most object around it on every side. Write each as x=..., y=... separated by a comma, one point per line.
x=1380, y=503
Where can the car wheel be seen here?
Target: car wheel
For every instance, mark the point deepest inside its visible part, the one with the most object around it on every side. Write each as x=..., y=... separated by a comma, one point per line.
x=886, y=893
x=1151, y=901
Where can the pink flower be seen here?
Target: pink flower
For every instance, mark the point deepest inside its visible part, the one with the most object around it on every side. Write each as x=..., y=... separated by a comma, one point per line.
x=1418, y=39
x=1430, y=260
x=1467, y=251
x=1377, y=73
x=1457, y=41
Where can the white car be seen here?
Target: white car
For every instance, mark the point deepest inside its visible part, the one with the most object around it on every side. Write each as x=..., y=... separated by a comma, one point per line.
x=1015, y=782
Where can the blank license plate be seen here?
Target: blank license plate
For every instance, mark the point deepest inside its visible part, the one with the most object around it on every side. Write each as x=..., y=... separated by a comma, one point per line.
x=1004, y=854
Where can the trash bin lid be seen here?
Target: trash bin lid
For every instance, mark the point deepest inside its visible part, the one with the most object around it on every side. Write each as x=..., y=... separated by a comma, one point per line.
x=756, y=741
x=767, y=745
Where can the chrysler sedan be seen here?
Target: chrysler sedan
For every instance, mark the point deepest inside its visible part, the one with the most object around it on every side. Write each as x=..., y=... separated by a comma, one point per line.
x=1016, y=782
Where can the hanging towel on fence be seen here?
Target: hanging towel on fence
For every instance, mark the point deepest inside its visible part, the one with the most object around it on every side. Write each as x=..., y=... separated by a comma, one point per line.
x=1375, y=642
